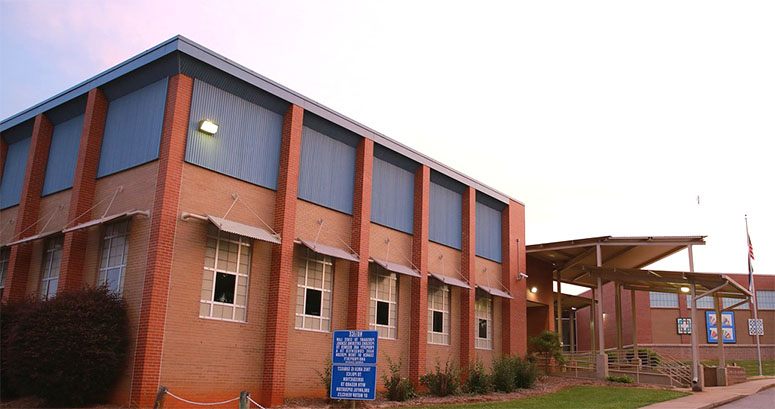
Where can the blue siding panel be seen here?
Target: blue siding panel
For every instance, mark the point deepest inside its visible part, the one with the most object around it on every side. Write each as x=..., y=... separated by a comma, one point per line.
x=446, y=216
x=133, y=129
x=63, y=155
x=488, y=232
x=327, y=171
x=247, y=145
x=392, y=196
x=13, y=172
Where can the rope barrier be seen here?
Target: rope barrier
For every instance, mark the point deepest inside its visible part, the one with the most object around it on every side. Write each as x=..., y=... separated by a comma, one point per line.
x=255, y=403
x=201, y=403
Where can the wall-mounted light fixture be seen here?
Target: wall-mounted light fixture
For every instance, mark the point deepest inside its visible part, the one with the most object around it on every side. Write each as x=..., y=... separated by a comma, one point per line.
x=521, y=276
x=533, y=289
x=207, y=126
x=685, y=289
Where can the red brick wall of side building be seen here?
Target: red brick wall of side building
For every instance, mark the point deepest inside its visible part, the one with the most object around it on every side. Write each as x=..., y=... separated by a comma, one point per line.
x=540, y=317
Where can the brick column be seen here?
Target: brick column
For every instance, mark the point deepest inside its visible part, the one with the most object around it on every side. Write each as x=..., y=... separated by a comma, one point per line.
x=358, y=303
x=514, y=310
x=164, y=219
x=29, y=209
x=418, y=339
x=276, y=346
x=468, y=269
x=82, y=194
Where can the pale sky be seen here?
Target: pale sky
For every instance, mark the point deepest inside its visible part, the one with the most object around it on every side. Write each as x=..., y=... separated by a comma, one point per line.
x=604, y=118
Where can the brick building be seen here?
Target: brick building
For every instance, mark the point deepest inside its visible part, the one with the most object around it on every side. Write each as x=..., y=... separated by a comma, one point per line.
x=243, y=222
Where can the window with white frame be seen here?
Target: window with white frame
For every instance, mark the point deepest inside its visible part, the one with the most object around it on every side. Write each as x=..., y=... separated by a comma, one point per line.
x=115, y=246
x=314, y=280
x=383, y=290
x=663, y=300
x=765, y=300
x=49, y=277
x=483, y=327
x=438, y=313
x=705, y=303
x=225, y=276
x=5, y=256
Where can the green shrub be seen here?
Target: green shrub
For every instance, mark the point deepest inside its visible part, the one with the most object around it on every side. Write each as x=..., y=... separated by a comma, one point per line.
x=620, y=379
x=325, y=377
x=10, y=314
x=70, y=349
x=442, y=382
x=548, y=346
x=510, y=373
x=525, y=373
x=478, y=381
x=397, y=388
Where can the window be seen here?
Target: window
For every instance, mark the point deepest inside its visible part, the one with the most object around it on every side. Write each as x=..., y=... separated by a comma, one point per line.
x=225, y=277
x=438, y=313
x=705, y=303
x=765, y=300
x=5, y=256
x=115, y=246
x=483, y=327
x=663, y=300
x=49, y=277
x=382, y=305
x=728, y=302
x=315, y=275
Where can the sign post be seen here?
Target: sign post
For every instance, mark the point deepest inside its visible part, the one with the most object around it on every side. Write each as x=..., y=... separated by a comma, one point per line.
x=354, y=365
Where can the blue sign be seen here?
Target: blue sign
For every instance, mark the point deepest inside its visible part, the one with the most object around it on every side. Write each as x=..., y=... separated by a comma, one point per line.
x=354, y=371
x=727, y=327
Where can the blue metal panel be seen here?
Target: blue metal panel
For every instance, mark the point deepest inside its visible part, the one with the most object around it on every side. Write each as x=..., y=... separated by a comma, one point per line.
x=392, y=196
x=327, y=171
x=247, y=145
x=488, y=232
x=446, y=216
x=63, y=155
x=133, y=129
x=13, y=172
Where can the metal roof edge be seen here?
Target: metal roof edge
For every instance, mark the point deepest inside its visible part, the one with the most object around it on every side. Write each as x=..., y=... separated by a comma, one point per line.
x=698, y=240
x=139, y=60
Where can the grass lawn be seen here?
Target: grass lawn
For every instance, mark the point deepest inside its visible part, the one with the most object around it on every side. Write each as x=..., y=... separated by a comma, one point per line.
x=582, y=397
x=751, y=366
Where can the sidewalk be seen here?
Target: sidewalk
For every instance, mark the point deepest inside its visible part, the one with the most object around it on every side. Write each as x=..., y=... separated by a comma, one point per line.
x=716, y=396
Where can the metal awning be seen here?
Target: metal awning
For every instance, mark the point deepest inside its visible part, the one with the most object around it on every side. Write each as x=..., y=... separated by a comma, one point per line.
x=615, y=252
x=494, y=291
x=245, y=230
x=107, y=219
x=450, y=280
x=658, y=280
x=396, y=268
x=330, y=251
x=38, y=236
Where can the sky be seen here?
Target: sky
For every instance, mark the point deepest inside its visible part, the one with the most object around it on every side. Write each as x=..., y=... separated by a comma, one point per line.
x=603, y=117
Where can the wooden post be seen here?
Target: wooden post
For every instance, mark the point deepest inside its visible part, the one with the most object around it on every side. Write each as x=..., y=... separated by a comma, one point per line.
x=634, y=318
x=618, y=302
x=572, y=333
x=592, y=315
x=243, y=400
x=721, y=374
x=159, y=402
x=558, y=313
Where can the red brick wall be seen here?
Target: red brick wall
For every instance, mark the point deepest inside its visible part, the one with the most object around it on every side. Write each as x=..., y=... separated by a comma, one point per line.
x=419, y=294
x=514, y=313
x=357, y=314
x=468, y=269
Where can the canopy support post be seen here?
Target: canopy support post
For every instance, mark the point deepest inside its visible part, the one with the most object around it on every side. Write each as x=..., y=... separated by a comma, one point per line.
x=601, y=362
x=721, y=372
x=558, y=311
x=634, y=319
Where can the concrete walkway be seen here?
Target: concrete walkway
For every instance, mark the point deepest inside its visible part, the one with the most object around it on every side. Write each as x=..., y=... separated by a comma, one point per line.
x=716, y=396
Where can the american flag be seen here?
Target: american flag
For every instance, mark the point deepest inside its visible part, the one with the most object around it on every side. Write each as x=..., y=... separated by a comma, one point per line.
x=750, y=259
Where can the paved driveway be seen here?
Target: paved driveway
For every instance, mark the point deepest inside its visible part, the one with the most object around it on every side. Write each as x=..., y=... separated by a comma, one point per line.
x=762, y=400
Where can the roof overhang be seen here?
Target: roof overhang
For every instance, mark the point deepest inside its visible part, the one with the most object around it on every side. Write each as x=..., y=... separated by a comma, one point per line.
x=570, y=302
x=615, y=252
x=180, y=44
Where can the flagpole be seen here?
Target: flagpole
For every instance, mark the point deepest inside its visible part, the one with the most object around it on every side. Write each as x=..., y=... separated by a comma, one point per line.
x=752, y=289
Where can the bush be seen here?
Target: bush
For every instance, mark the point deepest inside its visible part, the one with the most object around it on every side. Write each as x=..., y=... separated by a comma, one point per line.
x=619, y=379
x=71, y=349
x=548, y=346
x=442, y=382
x=10, y=314
x=325, y=377
x=512, y=373
x=397, y=388
x=478, y=381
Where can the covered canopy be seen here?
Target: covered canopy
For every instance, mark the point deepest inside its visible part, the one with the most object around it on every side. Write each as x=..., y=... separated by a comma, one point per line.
x=574, y=301
x=450, y=280
x=38, y=236
x=245, y=230
x=494, y=291
x=107, y=219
